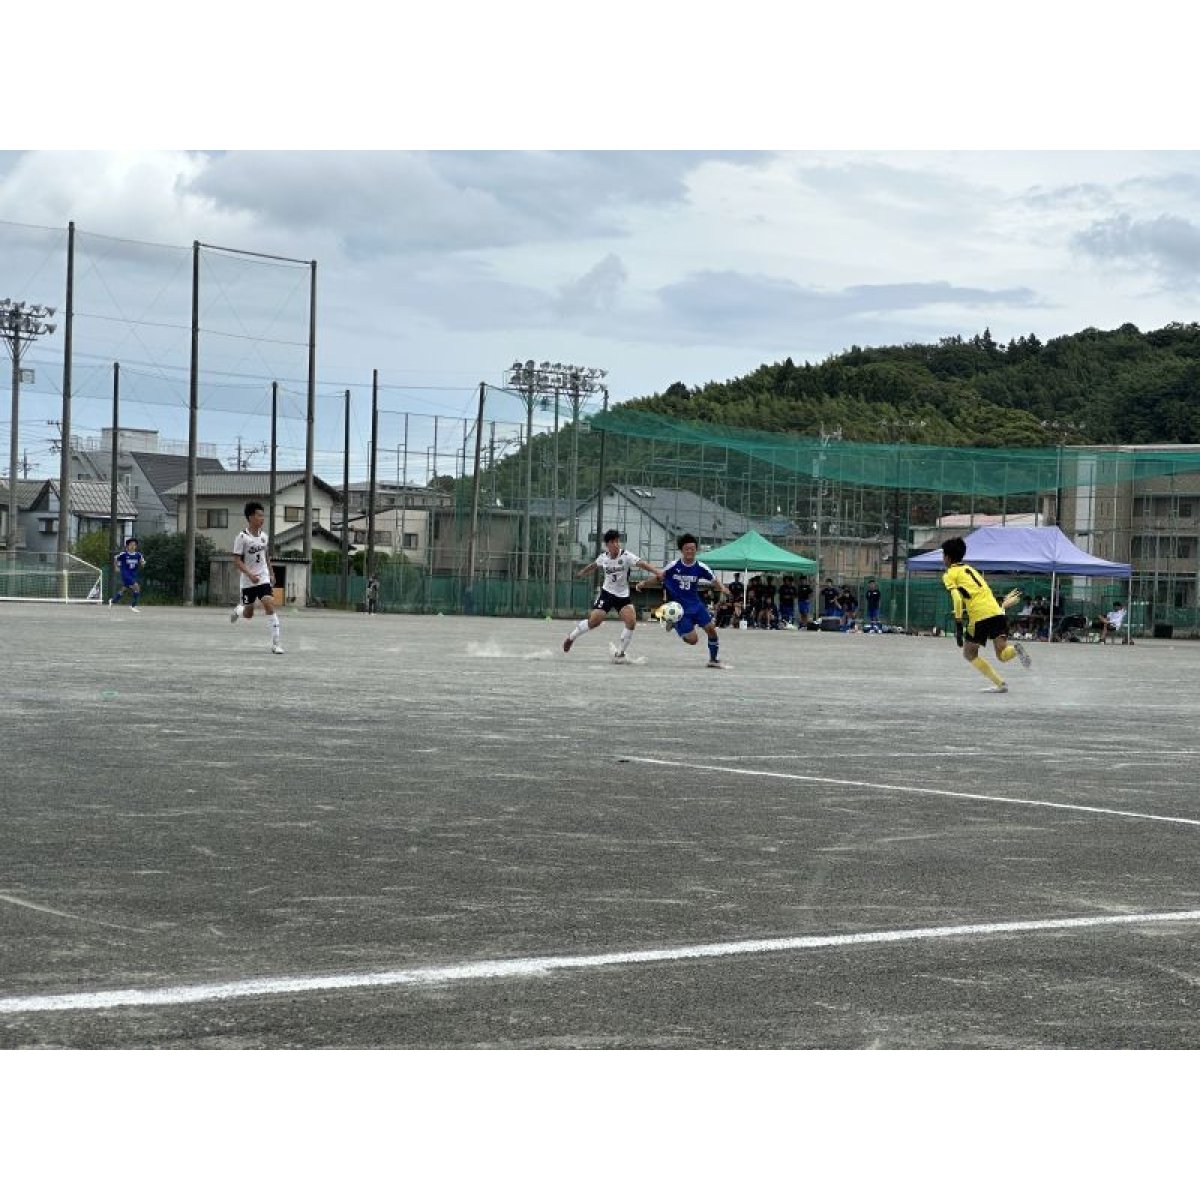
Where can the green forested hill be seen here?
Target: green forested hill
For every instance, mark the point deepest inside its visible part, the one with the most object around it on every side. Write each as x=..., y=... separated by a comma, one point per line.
x=1104, y=386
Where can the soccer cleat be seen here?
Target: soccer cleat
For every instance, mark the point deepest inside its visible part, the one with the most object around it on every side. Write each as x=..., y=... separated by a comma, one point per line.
x=134, y=608
x=1023, y=655
x=276, y=648
x=712, y=662
x=567, y=644
x=233, y=616
x=619, y=657
x=668, y=625
x=111, y=601
x=1002, y=687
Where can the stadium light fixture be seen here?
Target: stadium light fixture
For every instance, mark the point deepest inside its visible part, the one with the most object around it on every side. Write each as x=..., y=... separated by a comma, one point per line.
x=20, y=325
x=539, y=384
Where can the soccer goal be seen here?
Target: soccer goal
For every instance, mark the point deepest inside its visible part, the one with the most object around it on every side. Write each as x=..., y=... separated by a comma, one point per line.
x=59, y=578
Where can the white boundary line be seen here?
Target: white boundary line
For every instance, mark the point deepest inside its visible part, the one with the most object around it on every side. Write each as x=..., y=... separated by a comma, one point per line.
x=523, y=967
x=920, y=791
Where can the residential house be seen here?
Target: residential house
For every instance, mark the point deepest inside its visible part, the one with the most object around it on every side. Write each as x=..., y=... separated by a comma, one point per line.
x=221, y=498
x=148, y=467
x=40, y=512
x=27, y=492
x=650, y=519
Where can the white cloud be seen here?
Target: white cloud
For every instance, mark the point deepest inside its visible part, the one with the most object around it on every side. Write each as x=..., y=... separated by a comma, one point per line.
x=444, y=266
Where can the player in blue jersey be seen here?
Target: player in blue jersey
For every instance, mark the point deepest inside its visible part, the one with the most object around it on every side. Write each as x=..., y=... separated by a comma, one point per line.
x=682, y=580
x=129, y=562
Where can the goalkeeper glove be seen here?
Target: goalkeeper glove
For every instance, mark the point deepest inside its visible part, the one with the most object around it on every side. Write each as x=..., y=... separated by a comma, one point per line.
x=958, y=632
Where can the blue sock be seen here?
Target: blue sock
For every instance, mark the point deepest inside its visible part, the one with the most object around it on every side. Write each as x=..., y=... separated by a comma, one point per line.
x=713, y=646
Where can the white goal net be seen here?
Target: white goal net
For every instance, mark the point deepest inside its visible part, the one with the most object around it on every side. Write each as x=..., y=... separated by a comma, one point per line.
x=61, y=578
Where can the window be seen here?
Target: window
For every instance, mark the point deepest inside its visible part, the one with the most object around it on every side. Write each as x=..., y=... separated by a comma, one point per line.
x=383, y=537
x=47, y=524
x=410, y=541
x=292, y=512
x=215, y=518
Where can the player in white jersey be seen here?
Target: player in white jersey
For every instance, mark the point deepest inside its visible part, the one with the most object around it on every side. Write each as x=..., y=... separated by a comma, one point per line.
x=614, y=592
x=251, y=555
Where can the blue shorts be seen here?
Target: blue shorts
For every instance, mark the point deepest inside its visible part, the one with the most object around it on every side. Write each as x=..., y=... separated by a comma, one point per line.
x=128, y=580
x=804, y=607
x=694, y=615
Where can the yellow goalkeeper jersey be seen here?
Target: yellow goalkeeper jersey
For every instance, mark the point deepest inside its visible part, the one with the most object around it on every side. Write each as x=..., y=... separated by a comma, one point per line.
x=971, y=594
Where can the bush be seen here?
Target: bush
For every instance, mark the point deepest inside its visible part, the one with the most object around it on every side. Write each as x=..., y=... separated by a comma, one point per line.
x=93, y=548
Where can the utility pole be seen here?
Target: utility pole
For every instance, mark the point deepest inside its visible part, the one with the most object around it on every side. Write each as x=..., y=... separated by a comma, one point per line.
x=20, y=325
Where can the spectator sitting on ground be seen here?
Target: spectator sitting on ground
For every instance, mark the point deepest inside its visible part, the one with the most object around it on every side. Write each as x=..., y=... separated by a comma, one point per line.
x=753, y=596
x=1040, y=622
x=848, y=604
x=768, y=618
x=1025, y=620
x=1112, y=622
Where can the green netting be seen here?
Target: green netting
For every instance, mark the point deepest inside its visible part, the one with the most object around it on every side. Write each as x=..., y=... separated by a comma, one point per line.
x=967, y=471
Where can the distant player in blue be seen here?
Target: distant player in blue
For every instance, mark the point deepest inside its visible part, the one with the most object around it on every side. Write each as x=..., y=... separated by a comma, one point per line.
x=682, y=581
x=129, y=562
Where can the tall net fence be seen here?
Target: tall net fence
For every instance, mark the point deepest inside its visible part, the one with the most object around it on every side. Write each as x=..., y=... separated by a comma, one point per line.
x=859, y=510
x=514, y=536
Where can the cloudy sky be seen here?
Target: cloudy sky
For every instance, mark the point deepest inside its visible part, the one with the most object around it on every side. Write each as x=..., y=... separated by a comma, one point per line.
x=439, y=267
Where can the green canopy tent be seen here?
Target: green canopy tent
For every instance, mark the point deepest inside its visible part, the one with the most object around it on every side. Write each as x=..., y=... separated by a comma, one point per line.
x=752, y=552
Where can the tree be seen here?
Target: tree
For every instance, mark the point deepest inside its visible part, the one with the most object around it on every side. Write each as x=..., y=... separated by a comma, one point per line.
x=165, y=556
x=93, y=548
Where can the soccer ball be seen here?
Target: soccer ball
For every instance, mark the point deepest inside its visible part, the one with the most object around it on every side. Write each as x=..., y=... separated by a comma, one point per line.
x=672, y=610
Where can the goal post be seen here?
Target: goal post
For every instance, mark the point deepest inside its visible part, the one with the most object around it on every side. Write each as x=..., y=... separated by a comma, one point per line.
x=51, y=578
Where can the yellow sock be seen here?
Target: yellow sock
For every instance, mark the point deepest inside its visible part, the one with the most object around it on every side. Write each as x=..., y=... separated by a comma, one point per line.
x=1008, y=654
x=985, y=668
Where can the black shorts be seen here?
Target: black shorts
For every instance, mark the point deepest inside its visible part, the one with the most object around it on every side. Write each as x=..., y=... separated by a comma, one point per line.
x=257, y=592
x=989, y=627
x=607, y=602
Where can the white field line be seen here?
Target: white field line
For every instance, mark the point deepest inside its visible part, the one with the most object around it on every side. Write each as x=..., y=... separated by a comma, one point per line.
x=1027, y=752
x=245, y=989
x=919, y=791
x=55, y=912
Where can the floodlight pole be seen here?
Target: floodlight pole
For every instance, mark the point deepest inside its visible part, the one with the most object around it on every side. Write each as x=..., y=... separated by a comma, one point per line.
x=20, y=324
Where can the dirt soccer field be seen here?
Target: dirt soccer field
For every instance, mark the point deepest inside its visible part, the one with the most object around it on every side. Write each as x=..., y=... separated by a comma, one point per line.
x=423, y=832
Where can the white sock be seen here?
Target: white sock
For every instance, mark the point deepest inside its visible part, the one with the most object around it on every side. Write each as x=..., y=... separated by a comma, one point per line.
x=579, y=630
x=626, y=638
x=273, y=623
